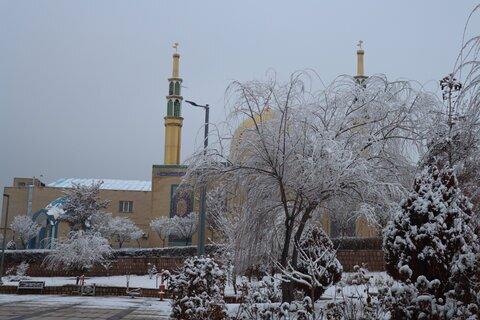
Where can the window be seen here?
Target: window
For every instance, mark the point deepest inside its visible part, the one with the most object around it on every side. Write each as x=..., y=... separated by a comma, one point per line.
x=170, y=89
x=177, y=88
x=125, y=206
x=176, y=108
x=170, y=108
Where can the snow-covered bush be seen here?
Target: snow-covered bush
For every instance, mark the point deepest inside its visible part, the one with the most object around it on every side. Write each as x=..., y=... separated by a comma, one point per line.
x=19, y=272
x=184, y=227
x=163, y=228
x=417, y=300
x=152, y=270
x=431, y=239
x=81, y=204
x=317, y=266
x=262, y=300
x=11, y=245
x=25, y=228
x=78, y=252
x=197, y=290
x=266, y=290
x=359, y=276
x=356, y=298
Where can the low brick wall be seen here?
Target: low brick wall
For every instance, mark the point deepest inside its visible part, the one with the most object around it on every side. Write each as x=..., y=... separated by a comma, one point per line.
x=373, y=259
x=122, y=261
x=129, y=264
x=121, y=266
x=73, y=290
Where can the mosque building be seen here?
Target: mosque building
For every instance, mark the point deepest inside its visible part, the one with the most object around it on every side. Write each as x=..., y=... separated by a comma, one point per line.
x=141, y=201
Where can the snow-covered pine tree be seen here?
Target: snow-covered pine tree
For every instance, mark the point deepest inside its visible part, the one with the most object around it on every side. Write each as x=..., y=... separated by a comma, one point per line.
x=432, y=234
x=197, y=290
x=317, y=265
x=82, y=202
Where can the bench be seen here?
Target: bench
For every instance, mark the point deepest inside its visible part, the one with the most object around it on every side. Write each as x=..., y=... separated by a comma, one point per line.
x=87, y=290
x=31, y=285
x=134, y=292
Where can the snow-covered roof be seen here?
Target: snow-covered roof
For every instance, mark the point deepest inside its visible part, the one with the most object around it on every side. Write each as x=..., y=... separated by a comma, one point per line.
x=108, y=184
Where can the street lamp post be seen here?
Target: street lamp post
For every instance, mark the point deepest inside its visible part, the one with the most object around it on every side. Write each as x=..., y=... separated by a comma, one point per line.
x=203, y=191
x=7, y=196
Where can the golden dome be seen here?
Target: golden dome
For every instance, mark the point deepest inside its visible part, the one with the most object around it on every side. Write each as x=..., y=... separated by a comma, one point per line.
x=249, y=123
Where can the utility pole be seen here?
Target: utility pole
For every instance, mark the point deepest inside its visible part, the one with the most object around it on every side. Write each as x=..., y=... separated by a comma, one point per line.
x=7, y=196
x=203, y=190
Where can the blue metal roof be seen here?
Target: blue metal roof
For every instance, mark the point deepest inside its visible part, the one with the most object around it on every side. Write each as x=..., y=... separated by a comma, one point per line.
x=108, y=184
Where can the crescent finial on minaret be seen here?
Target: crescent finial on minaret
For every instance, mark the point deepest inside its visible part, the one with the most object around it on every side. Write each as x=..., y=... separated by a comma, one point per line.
x=175, y=46
x=359, y=45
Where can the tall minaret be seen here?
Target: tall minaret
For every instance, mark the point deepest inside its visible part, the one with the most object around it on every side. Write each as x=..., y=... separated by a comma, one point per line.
x=360, y=63
x=174, y=120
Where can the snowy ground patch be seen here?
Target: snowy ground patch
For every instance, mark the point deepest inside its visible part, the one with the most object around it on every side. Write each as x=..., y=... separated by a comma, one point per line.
x=112, y=281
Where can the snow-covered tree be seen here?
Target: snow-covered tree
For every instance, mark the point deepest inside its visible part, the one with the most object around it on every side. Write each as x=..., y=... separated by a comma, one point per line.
x=78, y=252
x=81, y=204
x=217, y=210
x=432, y=236
x=163, y=227
x=454, y=127
x=137, y=235
x=100, y=222
x=123, y=229
x=184, y=227
x=197, y=290
x=318, y=267
x=300, y=148
x=25, y=228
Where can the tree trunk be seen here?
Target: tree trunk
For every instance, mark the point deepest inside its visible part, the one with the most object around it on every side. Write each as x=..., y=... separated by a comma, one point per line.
x=286, y=242
x=234, y=283
x=287, y=287
x=312, y=296
x=298, y=235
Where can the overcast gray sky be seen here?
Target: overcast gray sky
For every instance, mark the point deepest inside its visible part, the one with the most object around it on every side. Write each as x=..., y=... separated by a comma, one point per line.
x=83, y=83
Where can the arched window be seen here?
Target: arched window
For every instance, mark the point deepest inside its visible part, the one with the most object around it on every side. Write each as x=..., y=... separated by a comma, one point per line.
x=176, y=108
x=177, y=88
x=170, y=108
x=170, y=89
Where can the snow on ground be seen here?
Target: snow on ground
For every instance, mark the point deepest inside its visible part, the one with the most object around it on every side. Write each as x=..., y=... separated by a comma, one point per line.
x=349, y=290
x=99, y=302
x=144, y=281
x=162, y=308
x=113, y=281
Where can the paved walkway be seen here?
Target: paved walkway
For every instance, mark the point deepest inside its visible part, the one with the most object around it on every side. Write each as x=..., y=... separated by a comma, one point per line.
x=15, y=307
